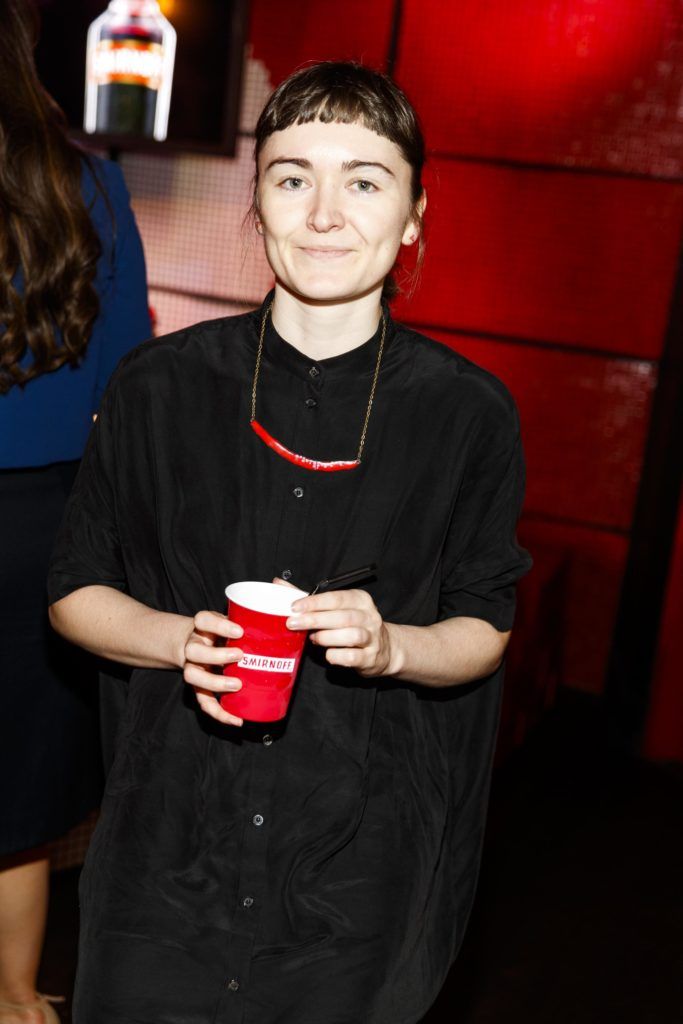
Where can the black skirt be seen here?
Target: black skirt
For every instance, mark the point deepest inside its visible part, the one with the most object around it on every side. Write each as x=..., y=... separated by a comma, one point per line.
x=50, y=764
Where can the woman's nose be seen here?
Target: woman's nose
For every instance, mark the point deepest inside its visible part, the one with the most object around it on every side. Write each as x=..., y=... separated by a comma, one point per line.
x=325, y=212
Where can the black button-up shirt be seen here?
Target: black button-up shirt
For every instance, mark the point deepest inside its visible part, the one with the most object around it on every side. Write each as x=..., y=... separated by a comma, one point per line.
x=319, y=870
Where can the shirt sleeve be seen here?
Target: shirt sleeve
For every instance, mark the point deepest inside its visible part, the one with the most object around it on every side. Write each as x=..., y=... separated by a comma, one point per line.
x=124, y=305
x=482, y=559
x=87, y=550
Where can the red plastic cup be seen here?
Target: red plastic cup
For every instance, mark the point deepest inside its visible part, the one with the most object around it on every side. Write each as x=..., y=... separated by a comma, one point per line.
x=271, y=651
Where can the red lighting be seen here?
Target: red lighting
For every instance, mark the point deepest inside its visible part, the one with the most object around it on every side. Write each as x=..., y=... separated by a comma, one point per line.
x=499, y=70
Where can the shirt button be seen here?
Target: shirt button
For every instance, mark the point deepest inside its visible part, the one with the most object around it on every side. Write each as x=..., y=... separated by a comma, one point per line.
x=311, y=403
x=248, y=902
x=267, y=740
x=257, y=820
x=233, y=984
x=314, y=372
x=286, y=574
x=298, y=492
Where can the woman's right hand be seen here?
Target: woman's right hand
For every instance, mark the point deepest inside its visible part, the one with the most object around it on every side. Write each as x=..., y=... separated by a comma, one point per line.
x=200, y=655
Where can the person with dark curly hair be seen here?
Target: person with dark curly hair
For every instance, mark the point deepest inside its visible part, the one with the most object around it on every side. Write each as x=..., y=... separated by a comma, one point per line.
x=73, y=300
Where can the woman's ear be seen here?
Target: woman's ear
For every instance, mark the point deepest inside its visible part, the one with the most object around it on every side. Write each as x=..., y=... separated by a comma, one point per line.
x=413, y=228
x=254, y=209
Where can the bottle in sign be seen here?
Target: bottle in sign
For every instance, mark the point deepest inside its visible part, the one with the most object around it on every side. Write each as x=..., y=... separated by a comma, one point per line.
x=129, y=70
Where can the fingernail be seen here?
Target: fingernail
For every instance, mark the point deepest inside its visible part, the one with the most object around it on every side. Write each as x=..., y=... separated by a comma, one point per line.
x=294, y=621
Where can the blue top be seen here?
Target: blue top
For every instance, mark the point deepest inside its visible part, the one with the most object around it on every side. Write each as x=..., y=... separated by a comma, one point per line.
x=48, y=420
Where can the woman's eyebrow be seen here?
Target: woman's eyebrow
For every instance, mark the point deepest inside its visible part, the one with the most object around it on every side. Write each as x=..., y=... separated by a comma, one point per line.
x=296, y=160
x=354, y=165
x=349, y=165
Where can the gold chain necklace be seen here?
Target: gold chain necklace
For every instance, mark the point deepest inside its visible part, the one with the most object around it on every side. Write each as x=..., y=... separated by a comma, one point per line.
x=285, y=453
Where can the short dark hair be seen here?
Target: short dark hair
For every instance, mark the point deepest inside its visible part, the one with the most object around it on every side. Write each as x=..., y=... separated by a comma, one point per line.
x=345, y=92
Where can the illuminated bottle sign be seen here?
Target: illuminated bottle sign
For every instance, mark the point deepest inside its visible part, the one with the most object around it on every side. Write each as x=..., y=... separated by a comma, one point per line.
x=129, y=70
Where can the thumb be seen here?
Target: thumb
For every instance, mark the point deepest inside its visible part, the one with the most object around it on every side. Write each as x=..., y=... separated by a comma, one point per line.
x=283, y=583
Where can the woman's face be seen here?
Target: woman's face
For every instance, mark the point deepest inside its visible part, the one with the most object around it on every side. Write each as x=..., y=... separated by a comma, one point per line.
x=334, y=206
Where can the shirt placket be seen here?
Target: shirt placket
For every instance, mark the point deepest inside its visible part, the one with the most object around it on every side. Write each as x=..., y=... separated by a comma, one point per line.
x=299, y=483
x=251, y=887
x=251, y=881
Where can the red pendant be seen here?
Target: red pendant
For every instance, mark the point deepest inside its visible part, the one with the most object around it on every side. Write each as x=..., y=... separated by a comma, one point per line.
x=300, y=460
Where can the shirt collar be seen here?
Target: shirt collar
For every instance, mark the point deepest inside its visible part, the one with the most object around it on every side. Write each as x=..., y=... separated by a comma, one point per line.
x=359, y=362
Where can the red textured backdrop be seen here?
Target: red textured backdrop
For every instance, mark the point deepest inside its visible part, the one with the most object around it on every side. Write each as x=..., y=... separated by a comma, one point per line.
x=285, y=36
x=584, y=419
x=573, y=259
x=590, y=83
x=554, y=221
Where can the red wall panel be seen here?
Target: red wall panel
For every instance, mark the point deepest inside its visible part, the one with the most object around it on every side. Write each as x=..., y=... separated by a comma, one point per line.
x=591, y=563
x=664, y=733
x=284, y=36
x=584, y=423
x=534, y=667
x=578, y=259
x=589, y=82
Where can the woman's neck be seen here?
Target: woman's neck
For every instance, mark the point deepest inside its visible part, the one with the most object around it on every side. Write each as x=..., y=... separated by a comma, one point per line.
x=319, y=330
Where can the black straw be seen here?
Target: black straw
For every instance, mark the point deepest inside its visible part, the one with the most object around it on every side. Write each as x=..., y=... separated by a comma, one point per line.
x=351, y=576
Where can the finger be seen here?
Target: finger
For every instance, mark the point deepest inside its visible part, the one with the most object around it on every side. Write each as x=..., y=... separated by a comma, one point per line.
x=195, y=675
x=219, y=625
x=283, y=583
x=349, y=657
x=333, y=600
x=207, y=639
x=340, y=619
x=354, y=637
x=198, y=653
x=211, y=707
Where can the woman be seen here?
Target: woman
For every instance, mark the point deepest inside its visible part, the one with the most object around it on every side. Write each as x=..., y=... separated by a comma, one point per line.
x=72, y=302
x=319, y=871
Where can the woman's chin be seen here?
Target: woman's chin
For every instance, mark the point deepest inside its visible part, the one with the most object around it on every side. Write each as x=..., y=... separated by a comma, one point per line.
x=327, y=291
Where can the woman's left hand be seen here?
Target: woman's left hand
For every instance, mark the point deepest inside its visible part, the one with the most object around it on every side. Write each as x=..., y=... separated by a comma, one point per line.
x=349, y=625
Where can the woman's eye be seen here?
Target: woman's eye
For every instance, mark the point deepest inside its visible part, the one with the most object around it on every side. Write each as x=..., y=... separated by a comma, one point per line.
x=365, y=186
x=294, y=184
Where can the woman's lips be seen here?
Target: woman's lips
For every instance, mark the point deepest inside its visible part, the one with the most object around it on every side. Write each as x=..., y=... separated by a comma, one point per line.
x=325, y=254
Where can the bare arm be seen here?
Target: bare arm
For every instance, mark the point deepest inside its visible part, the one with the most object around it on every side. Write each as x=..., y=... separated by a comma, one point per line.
x=347, y=623
x=454, y=651
x=116, y=626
